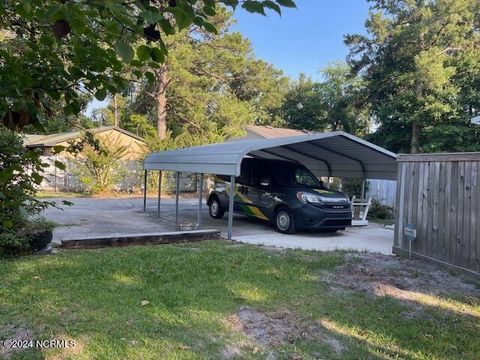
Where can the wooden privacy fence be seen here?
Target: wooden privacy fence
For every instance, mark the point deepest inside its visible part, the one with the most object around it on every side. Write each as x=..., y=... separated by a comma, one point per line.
x=384, y=191
x=438, y=195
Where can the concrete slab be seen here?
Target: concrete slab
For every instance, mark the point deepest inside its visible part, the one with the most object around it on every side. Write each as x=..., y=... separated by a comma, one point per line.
x=114, y=217
x=139, y=239
x=372, y=239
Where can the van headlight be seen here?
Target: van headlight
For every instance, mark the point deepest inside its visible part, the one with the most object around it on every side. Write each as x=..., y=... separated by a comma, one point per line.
x=309, y=197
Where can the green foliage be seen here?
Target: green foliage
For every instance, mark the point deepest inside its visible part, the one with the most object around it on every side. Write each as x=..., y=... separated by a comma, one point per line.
x=352, y=186
x=420, y=61
x=302, y=107
x=379, y=211
x=38, y=224
x=329, y=105
x=140, y=125
x=212, y=87
x=20, y=173
x=99, y=163
x=52, y=49
x=13, y=244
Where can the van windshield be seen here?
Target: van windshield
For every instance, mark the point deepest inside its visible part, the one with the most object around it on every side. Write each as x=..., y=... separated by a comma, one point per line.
x=292, y=175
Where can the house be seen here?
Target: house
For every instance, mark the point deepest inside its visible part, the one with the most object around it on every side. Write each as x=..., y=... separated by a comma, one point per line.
x=67, y=180
x=115, y=135
x=255, y=132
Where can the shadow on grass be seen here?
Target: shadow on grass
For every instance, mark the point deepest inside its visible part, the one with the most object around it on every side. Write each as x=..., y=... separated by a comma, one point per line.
x=96, y=296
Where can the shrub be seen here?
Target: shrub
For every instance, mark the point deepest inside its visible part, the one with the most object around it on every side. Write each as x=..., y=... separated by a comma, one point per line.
x=352, y=186
x=379, y=211
x=99, y=162
x=12, y=243
x=20, y=170
x=20, y=173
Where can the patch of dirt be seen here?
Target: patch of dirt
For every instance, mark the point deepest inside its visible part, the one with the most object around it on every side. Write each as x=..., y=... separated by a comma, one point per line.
x=73, y=347
x=275, y=330
x=230, y=352
x=12, y=332
x=271, y=330
x=404, y=279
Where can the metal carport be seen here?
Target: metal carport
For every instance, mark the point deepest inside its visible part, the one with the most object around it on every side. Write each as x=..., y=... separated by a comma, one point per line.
x=336, y=154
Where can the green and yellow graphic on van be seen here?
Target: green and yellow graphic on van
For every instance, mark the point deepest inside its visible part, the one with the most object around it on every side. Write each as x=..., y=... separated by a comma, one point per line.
x=242, y=202
x=324, y=191
x=253, y=211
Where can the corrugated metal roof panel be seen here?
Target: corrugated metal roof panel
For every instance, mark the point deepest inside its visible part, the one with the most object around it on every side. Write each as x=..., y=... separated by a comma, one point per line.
x=55, y=139
x=328, y=154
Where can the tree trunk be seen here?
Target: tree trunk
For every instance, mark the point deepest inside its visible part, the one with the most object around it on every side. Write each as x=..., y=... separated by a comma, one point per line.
x=415, y=143
x=161, y=97
x=117, y=122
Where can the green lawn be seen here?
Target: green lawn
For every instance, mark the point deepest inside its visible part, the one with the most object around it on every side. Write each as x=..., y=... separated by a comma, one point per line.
x=193, y=293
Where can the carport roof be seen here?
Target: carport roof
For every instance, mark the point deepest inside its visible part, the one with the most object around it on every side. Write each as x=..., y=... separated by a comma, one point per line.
x=327, y=154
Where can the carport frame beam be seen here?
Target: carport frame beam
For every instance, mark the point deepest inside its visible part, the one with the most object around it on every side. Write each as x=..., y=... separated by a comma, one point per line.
x=177, y=190
x=200, y=195
x=145, y=191
x=159, y=192
x=230, y=207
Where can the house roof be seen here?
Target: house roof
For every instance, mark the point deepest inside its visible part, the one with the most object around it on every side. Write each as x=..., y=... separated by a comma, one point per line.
x=34, y=140
x=325, y=154
x=269, y=132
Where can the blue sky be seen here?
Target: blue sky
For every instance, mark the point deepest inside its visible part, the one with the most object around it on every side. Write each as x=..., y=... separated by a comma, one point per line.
x=301, y=40
x=304, y=39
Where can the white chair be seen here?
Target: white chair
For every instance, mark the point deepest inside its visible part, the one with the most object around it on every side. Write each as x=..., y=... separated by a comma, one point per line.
x=360, y=209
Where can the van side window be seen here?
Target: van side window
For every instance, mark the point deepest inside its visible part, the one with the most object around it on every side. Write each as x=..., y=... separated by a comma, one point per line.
x=244, y=174
x=245, y=170
x=283, y=176
x=260, y=174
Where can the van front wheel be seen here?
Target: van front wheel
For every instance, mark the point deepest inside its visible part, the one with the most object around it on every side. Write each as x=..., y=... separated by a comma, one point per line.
x=283, y=221
x=215, y=208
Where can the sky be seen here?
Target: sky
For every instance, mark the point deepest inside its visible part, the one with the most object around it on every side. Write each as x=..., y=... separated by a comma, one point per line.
x=302, y=40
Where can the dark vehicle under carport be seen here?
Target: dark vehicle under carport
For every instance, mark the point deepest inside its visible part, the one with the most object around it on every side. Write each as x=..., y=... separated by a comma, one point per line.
x=337, y=154
x=284, y=193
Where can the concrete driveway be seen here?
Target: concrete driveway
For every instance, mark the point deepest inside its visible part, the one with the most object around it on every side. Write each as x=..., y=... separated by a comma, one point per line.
x=92, y=216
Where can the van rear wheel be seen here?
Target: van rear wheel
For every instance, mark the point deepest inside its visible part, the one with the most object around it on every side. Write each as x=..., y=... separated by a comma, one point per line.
x=215, y=208
x=283, y=221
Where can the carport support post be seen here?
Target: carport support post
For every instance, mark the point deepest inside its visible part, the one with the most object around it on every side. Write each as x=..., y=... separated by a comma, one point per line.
x=159, y=191
x=363, y=188
x=177, y=190
x=230, y=207
x=200, y=194
x=145, y=191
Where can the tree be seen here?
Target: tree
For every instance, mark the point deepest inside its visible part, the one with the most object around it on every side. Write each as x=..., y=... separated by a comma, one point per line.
x=420, y=60
x=112, y=113
x=329, y=105
x=58, y=122
x=302, y=108
x=209, y=87
x=56, y=49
